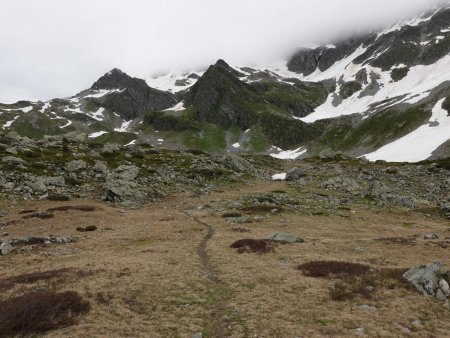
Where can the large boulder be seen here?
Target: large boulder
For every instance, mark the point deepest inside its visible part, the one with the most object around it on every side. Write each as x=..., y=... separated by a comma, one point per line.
x=76, y=165
x=37, y=185
x=14, y=161
x=427, y=278
x=56, y=181
x=237, y=163
x=295, y=174
x=121, y=186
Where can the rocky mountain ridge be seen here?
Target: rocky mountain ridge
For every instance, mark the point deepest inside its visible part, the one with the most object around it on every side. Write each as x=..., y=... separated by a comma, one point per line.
x=383, y=95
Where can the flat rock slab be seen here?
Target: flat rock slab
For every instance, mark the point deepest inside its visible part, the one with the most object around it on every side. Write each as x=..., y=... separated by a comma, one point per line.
x=285, y=237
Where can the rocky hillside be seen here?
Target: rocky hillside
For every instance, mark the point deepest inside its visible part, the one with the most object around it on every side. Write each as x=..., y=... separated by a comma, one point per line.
x=383, y=95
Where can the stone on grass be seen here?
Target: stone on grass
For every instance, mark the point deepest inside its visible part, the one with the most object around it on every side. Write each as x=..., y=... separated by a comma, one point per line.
x=285, y=237
x=6, y=248
x=426, y=277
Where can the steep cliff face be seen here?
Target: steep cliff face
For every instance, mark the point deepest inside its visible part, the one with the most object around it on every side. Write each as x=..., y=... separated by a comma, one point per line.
x=131, y=97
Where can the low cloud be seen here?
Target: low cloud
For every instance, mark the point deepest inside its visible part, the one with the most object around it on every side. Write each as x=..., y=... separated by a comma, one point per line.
x=53, y=48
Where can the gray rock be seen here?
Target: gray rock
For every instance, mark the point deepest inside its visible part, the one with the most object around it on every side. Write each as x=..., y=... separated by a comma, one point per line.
x=328, y=154
x=122, y=186
x=295, y=174
x=377, y=190
x=239, y=220
x=285, y=237
x=57, y=181
x=11, y=150
x=443, y=285
x=426, y=277
x=110, y=148
x=440, y=295
x=342, y=183
x=127, y=172
x=76, y=165
x=237, y=163
x=11, y=160
x=402, y=201
x=6, y=248
x=37, y=185
x=100, y=167
x=197, y=335
x=431, y=237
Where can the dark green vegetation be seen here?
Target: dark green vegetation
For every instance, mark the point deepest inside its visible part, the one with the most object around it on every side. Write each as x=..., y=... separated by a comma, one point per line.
x=350, y=88
x=220, y=102
x=36, y=125
x=399, y=73
x=350, y=132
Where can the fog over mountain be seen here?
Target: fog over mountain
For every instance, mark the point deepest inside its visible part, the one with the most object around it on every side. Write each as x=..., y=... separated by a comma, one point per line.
x=53, y=49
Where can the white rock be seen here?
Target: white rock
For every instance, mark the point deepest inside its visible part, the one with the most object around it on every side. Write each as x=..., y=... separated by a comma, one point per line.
x=6, y=248
x=443, y=285
x=440, y=295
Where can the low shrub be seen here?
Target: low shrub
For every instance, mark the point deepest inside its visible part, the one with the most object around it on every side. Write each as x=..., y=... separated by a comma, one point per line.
x=253, y=246
x=327, y=268
x=39, y=312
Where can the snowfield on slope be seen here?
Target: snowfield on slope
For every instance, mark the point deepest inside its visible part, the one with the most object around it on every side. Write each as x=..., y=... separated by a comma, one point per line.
x=420, y=144
x=415, y=86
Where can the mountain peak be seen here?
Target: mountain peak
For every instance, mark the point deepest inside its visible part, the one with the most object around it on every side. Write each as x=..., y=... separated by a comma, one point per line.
x=222, y=64
x=114, y=79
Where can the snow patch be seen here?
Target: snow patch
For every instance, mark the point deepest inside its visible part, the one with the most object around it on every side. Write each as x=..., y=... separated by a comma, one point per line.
x=9, y=123
x=178, y=107
x=124, y=127
x=45, y=107
x=130, y=143
x=167, y=82
x=102, y=92
x=236, y=145
x=67, y=124
x=290, y=154
x=420, y=144
x=97, y=134
x=279, y=177
x=97, y=115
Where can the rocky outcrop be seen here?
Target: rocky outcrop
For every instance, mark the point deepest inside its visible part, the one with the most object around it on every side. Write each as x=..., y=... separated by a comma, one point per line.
x=431, y=280
x=133, y=96
x=306, y=61
x=121, y=186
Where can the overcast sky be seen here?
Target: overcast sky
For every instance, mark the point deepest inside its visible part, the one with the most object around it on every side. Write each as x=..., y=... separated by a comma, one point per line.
x=55, y=48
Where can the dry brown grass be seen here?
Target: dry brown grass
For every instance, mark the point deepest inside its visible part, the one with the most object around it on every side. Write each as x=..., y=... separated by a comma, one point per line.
x=154, y=283
x=43, y=276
